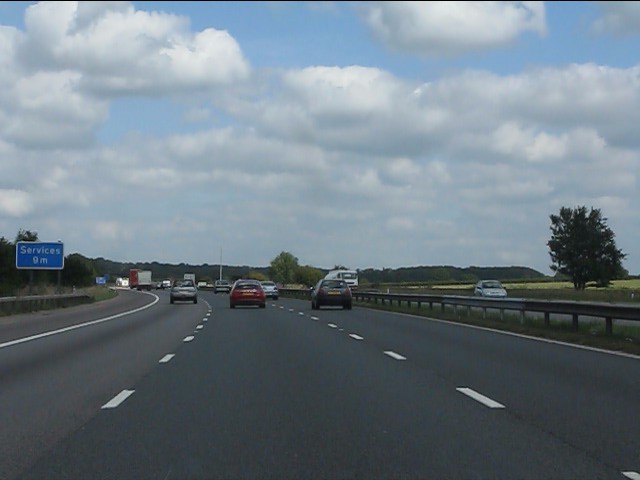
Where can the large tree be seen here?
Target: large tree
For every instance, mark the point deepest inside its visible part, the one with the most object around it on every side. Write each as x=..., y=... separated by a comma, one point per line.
x=284, y=268
x=583, y=247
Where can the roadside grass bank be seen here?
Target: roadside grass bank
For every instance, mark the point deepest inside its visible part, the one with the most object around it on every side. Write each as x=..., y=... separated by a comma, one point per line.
x=624, y=338
x=624, y=291
x=50, y=298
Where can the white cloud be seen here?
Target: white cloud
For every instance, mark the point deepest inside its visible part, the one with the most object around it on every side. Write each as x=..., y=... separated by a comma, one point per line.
x=448, y=28
x=15, y=203
x=118, y=50
x=319, y=160
x=618, y=18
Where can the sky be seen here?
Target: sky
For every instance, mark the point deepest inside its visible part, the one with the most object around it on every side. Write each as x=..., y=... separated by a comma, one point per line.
x=363, y=134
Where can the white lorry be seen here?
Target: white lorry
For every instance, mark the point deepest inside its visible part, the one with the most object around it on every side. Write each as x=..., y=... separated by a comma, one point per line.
x=190, y=276
x=144, y=280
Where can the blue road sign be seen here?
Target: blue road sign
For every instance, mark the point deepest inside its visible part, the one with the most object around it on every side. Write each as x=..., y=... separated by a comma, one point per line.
x=40, y=255
x=101, y=280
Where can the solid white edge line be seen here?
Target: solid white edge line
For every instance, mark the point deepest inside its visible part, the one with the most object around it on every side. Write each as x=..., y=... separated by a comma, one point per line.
x=81, y=325
x=167, y=358
x=356, y=336
x=478, y=397
x=118, y=399
x=520, y=335
x=632, y=475
x=189, y=338
x=395, y=355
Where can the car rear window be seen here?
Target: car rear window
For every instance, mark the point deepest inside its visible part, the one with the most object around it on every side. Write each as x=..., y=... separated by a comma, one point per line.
x=247, y=286
x=334, y=284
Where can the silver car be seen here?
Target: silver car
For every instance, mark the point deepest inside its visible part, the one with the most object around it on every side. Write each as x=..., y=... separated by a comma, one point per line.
x=270, y=289
x=184, y=291
x=490, y=289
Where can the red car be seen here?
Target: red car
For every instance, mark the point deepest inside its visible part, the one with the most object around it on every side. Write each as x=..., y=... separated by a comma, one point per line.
x=247, y=292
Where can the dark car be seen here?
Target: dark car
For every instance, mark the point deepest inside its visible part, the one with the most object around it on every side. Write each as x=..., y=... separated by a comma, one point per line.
x=184, y=291
x=331, y=293
x=247, y=292
x=221, y=286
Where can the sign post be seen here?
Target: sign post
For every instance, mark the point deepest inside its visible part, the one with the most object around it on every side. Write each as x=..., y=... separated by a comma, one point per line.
x=40, y=255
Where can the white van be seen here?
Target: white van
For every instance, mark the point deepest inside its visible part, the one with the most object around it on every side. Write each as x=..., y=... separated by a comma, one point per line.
x=349, y=276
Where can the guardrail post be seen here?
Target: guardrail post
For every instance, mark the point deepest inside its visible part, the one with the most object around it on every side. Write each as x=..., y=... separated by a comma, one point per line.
x=521, y=317
x=547, y=319
x=484, y=313
x=609, y=325
x=575, y=321
x=430, y=305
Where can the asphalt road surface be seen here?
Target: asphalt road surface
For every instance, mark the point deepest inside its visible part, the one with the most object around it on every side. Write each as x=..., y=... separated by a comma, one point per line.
x=200, y=391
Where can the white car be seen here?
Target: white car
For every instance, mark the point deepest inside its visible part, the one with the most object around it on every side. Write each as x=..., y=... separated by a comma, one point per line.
x=490, y=289
x=270, y=289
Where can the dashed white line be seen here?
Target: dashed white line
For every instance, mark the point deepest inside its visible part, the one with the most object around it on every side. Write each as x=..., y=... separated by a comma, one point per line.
x=199, y=327
x=395, y=355
x=167, y=358
x=291, y=309
x=632, y=475
x=208, y=314
x=118, y=399
x=301, y=314
x=189, y=338
x=332, y=325
x=315, y=318
x=356, y=337
x=480, y=398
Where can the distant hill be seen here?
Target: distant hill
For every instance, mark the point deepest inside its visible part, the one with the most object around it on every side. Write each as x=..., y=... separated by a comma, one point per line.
x=420, y=274
x=444, y=274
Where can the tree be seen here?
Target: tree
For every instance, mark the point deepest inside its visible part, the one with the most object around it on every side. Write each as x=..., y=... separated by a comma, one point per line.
x=583, y=247
x=308, y=275
x=284, y=268
x=78, y=271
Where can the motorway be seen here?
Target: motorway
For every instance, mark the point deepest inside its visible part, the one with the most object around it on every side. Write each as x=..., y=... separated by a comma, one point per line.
x=136, y=388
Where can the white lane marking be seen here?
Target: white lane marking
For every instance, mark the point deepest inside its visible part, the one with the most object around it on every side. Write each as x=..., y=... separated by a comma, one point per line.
x=291, y=309
x=189, y=338
x=199, y=327
x=74, y=327
x=209, y=313
x=356, y=337
x=301, y=314
x=395, y=355
x=281, y=307
x=118, y=399
x=315, y=318
x=480, y=398
x=332, y=325
x=167, y=358
x=341, y=330
x=632, y=475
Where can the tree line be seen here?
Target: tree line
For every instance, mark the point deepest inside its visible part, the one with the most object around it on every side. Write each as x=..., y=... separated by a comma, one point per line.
x=582, y=249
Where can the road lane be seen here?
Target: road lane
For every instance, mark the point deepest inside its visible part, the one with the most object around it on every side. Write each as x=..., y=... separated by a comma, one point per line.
x=275, y=394
x=588, y=399
x=52, y=385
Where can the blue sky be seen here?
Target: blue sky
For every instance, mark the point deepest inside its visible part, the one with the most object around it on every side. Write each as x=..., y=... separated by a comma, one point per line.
x=366, y=134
